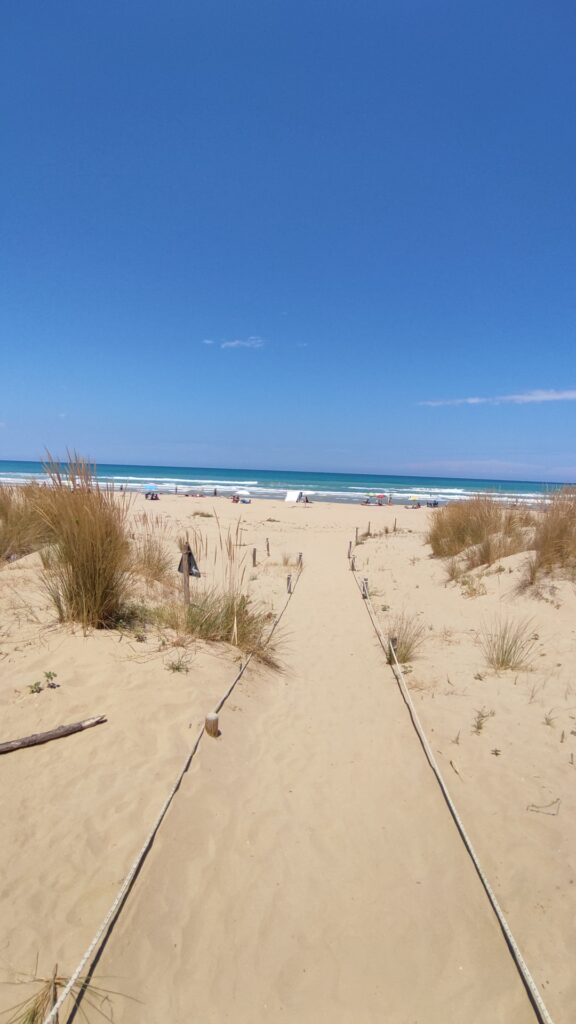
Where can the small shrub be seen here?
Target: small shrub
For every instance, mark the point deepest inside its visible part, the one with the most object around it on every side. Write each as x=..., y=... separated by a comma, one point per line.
x=408, y=632
x=472, y=586
x=508, y=645
x=179, y=664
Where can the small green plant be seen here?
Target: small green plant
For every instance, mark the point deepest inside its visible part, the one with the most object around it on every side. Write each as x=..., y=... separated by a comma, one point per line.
x=472, y=586
x=406, y=633
x=508, y=645
x=179, y=664
x=35, y=687
x=482, y=716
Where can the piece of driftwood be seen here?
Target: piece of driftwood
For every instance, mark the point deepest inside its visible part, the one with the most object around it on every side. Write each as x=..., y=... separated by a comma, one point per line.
x=52, y=734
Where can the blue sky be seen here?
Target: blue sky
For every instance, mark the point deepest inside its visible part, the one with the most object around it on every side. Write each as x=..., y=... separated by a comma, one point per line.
x=299, y=235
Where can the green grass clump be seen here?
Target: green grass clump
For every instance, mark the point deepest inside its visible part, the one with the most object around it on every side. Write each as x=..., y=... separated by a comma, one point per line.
x=408, y=631
x=223, y=617
x=508, y=645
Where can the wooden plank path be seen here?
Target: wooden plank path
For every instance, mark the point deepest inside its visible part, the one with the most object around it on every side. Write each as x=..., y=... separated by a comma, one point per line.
x=309, y=870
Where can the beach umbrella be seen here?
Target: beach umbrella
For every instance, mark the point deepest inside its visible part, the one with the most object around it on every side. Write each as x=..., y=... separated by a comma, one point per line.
x=151, y=487
x=242, y=492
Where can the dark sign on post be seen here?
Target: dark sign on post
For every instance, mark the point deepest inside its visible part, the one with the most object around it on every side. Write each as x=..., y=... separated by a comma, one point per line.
x=193, y=569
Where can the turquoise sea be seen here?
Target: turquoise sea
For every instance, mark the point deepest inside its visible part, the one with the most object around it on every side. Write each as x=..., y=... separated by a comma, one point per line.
x=266, y=483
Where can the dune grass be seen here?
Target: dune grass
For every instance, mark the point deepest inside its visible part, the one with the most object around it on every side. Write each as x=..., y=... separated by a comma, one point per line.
x=408, y=632
x=222, y=617
x=481, y=527
x=151, y=558
x=554, y=541
x=88, y=570
x=21, y=527
x=507, y=644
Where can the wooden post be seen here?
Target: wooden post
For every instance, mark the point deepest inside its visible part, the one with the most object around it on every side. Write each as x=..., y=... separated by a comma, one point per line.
x=299, y=559
x=394, y=526
x=211, y=725
x=353, y=563
x=267, y=547
x=365, y=588
x=368, y=530
x=54, y=993
x=349, y=549
x=253, y=557
x=356, y=538
x=185, y=573
x=289, y=583
x=394, y=643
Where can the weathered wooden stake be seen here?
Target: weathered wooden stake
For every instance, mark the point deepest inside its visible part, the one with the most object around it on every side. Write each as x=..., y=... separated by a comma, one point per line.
x=211, y=724
x=299, y=559
x=267, y=547
x=253, y=556
x=54, y=993
x=394, y=526
x=186, y=573
x=368, y=530
x=349, y=549
x=394, y=643
x=353, y=564
x=356, y=538
x=289, y=583
x=365, y=587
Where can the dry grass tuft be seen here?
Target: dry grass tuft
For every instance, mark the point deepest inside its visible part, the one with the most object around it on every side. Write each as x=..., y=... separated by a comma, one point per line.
x=508, y=645
x=480, y=526
x=554, y=537
x=88, y=569
x=223, y=617
x=150, y=555
x=409, y=632
x=36, y=1008
x=21, y=527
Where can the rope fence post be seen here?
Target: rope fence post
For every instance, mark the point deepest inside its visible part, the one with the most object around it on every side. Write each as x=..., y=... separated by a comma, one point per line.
x=289, y=583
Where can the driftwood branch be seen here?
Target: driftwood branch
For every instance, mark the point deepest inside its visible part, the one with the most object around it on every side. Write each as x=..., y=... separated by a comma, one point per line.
x=53, y=734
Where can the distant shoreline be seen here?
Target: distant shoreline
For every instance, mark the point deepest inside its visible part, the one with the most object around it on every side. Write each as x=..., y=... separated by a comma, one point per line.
x=340, y=488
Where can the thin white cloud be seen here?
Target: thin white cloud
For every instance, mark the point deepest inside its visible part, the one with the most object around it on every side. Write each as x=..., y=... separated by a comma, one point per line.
x=207, y=341
x=524, y=398
x=254, y=341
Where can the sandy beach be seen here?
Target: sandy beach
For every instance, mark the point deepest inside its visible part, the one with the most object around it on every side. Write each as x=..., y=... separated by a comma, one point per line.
x=308, y=869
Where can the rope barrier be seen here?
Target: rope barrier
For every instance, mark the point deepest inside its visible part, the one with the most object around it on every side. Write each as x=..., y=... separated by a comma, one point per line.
x=527, y=979
x=113, y=912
